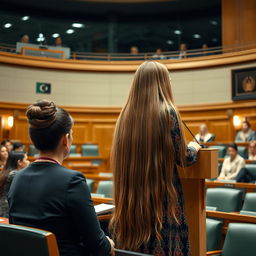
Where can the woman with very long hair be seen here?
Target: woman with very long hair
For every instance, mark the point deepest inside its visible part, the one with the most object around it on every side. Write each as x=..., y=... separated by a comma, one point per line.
x=148, y=143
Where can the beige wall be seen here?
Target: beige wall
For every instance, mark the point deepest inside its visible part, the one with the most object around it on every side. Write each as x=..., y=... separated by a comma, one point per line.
x=18, y=84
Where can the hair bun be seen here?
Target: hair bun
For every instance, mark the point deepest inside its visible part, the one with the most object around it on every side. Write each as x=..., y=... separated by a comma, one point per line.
x=41, y=114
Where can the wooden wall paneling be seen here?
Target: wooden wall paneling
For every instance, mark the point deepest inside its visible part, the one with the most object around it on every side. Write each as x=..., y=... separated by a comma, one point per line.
x=221, y=128
x=102, y=134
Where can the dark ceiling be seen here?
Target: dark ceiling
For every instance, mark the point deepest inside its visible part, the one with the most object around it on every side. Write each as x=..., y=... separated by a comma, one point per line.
x=89, y=10
x=113, y=27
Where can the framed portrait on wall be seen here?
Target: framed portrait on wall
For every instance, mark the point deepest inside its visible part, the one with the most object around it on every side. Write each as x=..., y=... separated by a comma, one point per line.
x=244, y=83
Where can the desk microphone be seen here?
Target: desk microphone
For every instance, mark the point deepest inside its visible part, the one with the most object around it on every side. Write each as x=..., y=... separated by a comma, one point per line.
x=203, y=146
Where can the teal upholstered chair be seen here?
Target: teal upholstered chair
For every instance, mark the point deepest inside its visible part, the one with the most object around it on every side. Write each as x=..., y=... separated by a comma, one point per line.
x=221, y=150
x=91, y=150
x=20, y=240
x=243, y=151
x=105, y=188
x=251, y=169
x=224, y=199
x=32, y=151
x=213, y=234
x=240, y=240
x=90, y=184
x=249, y=204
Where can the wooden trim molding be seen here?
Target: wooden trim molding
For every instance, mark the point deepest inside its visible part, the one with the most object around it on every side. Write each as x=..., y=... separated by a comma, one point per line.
x=127, y=66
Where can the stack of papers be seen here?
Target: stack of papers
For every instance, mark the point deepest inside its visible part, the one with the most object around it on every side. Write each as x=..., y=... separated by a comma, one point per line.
x=103, y=208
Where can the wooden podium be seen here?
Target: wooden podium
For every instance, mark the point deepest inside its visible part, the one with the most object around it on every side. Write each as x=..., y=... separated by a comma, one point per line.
x=193, y=184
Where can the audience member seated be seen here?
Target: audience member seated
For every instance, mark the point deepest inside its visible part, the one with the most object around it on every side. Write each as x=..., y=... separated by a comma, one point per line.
x=59, y=199
x=134, y=50
x=18, y=147
x=159, y=54
x=246, y=133
x=24, y=39
x=232, y=164
x=204, y=135
x=7, y=144
x=15, y=162
x=252, y=150
x=58, y=42
x=183, y=51
x=3, y=156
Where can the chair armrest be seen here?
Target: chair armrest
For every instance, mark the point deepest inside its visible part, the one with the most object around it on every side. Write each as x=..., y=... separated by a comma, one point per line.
x=214, y=252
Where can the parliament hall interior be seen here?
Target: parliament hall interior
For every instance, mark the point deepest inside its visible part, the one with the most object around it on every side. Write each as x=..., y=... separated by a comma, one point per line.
x=128, y=127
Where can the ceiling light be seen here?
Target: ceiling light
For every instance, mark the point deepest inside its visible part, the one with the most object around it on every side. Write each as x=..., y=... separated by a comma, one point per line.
x=7, y=25
x=41, y=35
x=196, y=36
x=169, y=42
x=214, y=22
x=24, y=18
x=55, y=35
x=214, y=39
x=70, y=31
x=77, y=25
x=177, y=32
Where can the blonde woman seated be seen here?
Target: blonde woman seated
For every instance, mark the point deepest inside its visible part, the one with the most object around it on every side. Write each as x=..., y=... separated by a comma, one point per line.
x=204, y=135
x=232, y=164
x=252, y=150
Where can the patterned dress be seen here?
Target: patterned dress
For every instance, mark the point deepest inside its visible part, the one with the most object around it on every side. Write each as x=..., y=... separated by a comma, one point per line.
x=4, y=208
x=175, y=241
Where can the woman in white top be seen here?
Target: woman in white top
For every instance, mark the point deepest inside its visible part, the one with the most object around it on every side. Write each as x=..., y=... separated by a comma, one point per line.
x=204, y=135
x=232, y=164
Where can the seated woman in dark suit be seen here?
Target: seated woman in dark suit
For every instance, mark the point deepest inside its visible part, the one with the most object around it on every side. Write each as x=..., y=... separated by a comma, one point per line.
x=48, y=196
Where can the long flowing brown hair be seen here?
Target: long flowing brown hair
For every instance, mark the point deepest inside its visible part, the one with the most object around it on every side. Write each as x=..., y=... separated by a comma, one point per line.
x=143, y=159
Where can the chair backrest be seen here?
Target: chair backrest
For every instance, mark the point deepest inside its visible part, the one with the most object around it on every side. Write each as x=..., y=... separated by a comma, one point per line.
x=90, y=150
x=73, y=149
x=32, y=151
x=129, y=253
x=20, y=240
x=221, y=150
x=249, y=202
x=240, y=240
x=224, y=199
x=243, y=151
x=213, y=234
x=105, y=188
x=90, y=184
x=251, y=169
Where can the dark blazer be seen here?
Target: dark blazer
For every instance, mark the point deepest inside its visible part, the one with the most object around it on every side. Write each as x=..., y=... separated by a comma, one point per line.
x=48, y=196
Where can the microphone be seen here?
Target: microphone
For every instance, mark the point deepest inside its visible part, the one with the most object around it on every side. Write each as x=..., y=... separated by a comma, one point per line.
x=203, y=146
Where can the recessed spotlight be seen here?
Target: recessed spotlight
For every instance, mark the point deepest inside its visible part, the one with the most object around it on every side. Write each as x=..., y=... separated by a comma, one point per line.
x=24, y=18
x=196, y=36
x=169, y=42
x=40, y=39
x=214, y=22
x=77, y=25
x=41, y=35
x=70, y=31
x=7, y=25
x=177, y=32
x=55, y=35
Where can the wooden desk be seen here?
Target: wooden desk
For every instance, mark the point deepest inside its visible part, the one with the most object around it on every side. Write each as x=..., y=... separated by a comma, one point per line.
x=249, y=187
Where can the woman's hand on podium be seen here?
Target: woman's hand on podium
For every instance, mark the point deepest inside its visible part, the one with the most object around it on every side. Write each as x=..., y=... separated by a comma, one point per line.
x=112, y=252
x=194, y=145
